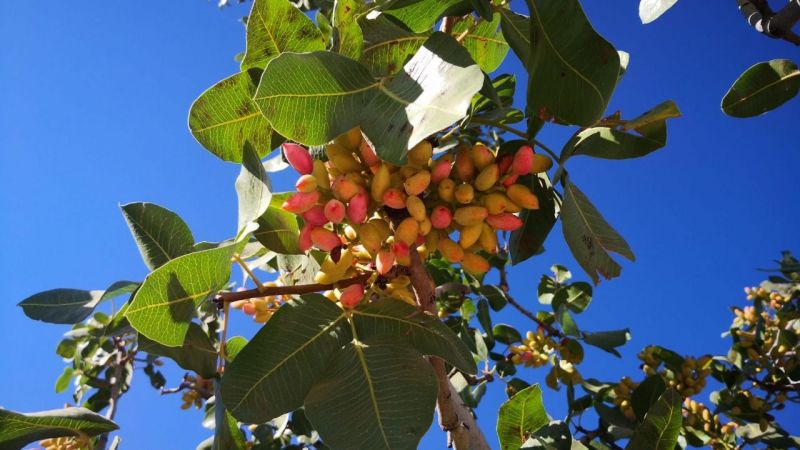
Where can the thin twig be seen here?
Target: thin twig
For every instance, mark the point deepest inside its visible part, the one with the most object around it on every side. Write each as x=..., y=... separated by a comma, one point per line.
x=504, y=287
x=115, y=390
x=469, y=29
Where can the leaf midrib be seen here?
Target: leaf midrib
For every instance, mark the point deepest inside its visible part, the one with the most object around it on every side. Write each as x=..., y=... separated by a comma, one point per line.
x=363, y=361
x=228, y=122
x=758, y=91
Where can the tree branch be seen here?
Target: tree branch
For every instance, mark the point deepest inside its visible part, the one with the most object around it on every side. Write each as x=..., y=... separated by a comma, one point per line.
x=504, y=287
x=115, y=381
x=299, y=289
x=455, y=418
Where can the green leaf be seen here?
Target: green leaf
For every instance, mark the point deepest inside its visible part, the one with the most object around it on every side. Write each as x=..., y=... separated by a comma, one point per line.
x=527, y=240
x=275, y=27
x=347, y=37
x=278, y=230
x=761, y=88
x=590, y=237
x=227, y=434
x=618, y=142
x=496, y=297
x=661, y=426
x=485, y=43
x=62, y=383
x=326, y=101
x=160, y=234
x=564, y=318
x=387, y=45
x=608, y=340
x=197, y=353
x=426, y=333
x=18, y=429
x=484, y=317
x=252, y=191
x=224, y=119
x=70, y=306
x=420, y=100
x=273, y=373
x=419, y=16
x=572, y=69
x=646, y=394
x=521, y=416
x=506, y=334
x=517, y=31
x=575, y=296
x=363, y=399
x=234, y=346
x=164, y=305
x=650, y=10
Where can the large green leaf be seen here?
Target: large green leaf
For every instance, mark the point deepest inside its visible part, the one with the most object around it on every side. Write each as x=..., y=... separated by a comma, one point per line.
x=376, y=394
x=160, y=234
x=420, y=15
x=276, y=26
x=761, y=88
x=661, y=426
x=224, y=119
x=387, y=45
x=165, y=303
x=590, y=237
x=273, y=373
x=426, y=333
x=197, y=353
x=227, y=433
x=528, y=239
x=520, y=416
x=572, y=69
x=348, y=39
x=485, y=43
x=647, y=394
x=421, y=99
x=517, y=31
x=277, y=228
x=252, y=191
x=69, y=306
x=649, y=134
x=18, y=429
x=327, y=100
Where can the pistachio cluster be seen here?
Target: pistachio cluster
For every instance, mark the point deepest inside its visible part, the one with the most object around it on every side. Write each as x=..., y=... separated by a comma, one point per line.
x=368, y=214
x=688, y=380
x=261, y=308
x=696, y=415
x=622, y=397
x=195, y=395
x=66, y=443
x=535, y=350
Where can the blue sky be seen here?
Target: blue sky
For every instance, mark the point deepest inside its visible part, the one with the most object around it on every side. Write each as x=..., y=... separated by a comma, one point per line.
x=93, y=106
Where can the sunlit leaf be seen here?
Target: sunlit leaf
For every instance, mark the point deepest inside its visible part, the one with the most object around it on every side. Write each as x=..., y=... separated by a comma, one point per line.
x=661, y=426
x=20, y=429
x=521, y=416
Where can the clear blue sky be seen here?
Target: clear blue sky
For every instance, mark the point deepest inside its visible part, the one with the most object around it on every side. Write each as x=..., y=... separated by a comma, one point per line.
x=93, y=106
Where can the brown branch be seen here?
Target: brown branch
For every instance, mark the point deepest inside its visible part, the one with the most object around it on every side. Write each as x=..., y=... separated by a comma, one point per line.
x=455, y=418
x=504, y=287
x=115, y=381
x=298, y=289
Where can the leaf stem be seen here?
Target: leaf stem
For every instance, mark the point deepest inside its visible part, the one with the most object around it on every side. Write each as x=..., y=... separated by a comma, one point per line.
x=522, y=134
x=238, y=259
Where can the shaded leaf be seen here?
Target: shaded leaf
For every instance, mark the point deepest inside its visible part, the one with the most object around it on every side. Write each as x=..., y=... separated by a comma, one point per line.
x=278, y=230
x=432, y=92
x=70, y=306
x=572, y=69
x=224, y=119
x=761, y=88
x=234, y=346
x=387, y=45
x=521, y=416
x=165, y=303
x=19, y=429
x=506, y=334
x=227, y=434
x=62, y=383
x=528, y=239
x=362, y=401
x=590, y=237
x=197, y=353
x=266, y=380
x=517, y=31
x=661, y=426
x=324, y=103
x=252, y=191
x=646, y=394
x=274, y=27
x=496, y=297
x=426, y=333
x=160, y=234
x=608, y=340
